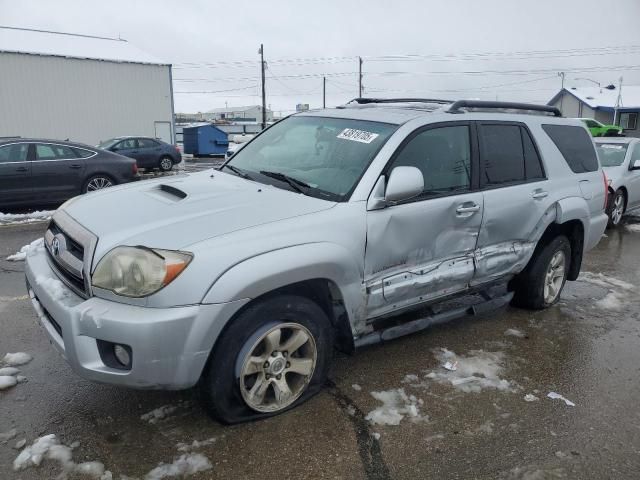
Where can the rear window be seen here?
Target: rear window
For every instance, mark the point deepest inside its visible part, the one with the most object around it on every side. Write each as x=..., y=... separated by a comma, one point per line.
x=611, y=154
x=576, y=147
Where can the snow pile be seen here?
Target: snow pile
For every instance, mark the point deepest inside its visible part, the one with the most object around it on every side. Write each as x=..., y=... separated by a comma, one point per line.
x=54, y=287
x=557, y=396
x=615, y=298
x=633, y=227
x=473, y=373
x=18, y=358
x=49, y=447
x=356, y=387
x=530, y=397
x=186, y=464
x=160, y=413
x=514, y=332
x=396, y=404
x=13, y=218
x=7, y=381
x=25, y=250
x=186, y=447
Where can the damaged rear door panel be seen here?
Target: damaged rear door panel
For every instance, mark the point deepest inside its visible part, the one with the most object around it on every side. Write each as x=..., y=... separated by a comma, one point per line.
x=423, y=248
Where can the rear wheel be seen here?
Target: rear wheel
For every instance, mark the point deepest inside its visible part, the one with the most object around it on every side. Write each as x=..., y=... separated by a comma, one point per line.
x=617, y=208
x=97, y=182
x=540, y=284
x=273, y=356
x=165, y=164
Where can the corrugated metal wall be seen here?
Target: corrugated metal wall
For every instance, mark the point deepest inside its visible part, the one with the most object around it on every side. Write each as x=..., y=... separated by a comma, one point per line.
x=82, y=100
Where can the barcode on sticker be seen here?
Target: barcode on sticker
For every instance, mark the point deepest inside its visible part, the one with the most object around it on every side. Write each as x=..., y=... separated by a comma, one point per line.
x=357, y=135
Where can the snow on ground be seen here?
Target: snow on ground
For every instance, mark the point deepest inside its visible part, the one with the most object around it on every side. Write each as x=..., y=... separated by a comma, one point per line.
x=514, y=332
x=9, y=371
x=615, y=298
x=186, y=464
x=18, y=358
x=7, y=381
x=160, y=413
x=48, y=447
x=633, y=227
x=611, y=301
x=529, y=397
x=14, y=218
x=26, y=249
x=473, y=373
x=356, y=387
x=8, y=435
x=396, y=405
x=52, y=286
x=186, y=447
x=557, y=396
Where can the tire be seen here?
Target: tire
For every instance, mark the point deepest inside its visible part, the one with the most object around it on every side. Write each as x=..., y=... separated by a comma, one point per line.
x=532, y=289
x=97, y=182
x=617, y=209
x=165, y=164
x=229, y=376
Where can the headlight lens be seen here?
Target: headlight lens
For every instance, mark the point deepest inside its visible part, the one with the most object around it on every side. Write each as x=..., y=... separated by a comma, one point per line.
x=139, y=271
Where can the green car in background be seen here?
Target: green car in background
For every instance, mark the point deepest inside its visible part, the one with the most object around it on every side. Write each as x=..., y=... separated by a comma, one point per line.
x=598, y=129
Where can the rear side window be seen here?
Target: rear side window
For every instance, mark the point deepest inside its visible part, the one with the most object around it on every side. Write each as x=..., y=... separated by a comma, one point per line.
x=576, y=147
x=82, y=153
x=508, y=155
x=46, y=151
x=146, y=143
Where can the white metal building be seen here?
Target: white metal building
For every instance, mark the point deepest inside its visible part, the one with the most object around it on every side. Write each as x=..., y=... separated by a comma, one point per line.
x=82, y=88
x=250, y=113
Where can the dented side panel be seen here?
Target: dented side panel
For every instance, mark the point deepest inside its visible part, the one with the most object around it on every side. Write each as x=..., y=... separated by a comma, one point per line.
x=419, y=251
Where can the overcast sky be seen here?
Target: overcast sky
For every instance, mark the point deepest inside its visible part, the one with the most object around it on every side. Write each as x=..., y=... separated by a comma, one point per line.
x=447, y=48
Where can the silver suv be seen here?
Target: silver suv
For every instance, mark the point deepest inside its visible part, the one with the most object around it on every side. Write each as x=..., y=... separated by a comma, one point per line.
x=333, y=228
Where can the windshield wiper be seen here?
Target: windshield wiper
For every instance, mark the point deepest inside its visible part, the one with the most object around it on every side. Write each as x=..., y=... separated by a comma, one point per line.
x=297, y=185
x=239, y=172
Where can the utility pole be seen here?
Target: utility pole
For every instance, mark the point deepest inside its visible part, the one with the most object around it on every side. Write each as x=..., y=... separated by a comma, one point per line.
x=359, y=77
x=561, y=75
x=264, y=97
x=618, y=102
x=324, y=92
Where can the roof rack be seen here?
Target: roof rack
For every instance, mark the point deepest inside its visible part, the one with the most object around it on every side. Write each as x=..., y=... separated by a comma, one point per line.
x=458, y=105
x=364, y=101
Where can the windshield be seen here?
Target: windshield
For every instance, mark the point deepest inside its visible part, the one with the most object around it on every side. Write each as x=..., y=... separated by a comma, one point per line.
x=108, y=143
x=323, y=157
x=611, y=154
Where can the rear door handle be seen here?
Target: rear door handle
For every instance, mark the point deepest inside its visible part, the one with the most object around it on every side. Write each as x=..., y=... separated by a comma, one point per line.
x=467, y=207
x=539, y=193
x=22, y=169
x=75, y=166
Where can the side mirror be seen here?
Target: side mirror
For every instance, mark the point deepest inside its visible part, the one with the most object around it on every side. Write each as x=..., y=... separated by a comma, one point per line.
x=404, y=183
x=635, y=165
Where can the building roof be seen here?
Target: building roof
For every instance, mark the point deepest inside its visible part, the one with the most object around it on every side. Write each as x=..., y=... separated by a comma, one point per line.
x=59, y=44
x=235, y=109
x=604, y=98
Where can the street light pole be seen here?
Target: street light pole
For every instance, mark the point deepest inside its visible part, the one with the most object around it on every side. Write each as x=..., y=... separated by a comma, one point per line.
x=264, y=97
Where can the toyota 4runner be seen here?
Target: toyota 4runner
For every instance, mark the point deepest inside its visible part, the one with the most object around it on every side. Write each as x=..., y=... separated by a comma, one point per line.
x=332, y=228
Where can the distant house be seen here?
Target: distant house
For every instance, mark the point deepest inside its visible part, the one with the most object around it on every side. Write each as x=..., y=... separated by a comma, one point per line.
x=600, y=104
x=251, y=113
x=80, y=87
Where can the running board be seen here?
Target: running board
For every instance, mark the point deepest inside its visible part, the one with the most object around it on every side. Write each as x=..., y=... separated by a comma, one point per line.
x=423, y=323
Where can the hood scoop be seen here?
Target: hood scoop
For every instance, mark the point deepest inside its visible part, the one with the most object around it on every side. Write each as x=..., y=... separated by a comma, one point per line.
x=170, y=192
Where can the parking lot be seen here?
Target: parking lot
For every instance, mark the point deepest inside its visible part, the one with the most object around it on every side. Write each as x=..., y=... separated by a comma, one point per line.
x=389, y=411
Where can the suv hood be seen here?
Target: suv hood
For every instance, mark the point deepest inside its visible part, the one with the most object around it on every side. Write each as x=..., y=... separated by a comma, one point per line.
x=175, y=212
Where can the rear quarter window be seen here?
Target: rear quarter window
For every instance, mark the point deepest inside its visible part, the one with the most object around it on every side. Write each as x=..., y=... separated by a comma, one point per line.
x=576, y=147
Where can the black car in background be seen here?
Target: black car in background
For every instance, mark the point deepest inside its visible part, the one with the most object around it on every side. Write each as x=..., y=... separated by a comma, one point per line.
x=48, y=172
x=150, y=153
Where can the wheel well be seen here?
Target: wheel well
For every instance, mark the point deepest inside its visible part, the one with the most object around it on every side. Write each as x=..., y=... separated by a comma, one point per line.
x=327, y=295
x=574, y=231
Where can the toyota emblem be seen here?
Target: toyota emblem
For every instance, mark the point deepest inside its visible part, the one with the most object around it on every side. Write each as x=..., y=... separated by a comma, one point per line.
x=55, y=247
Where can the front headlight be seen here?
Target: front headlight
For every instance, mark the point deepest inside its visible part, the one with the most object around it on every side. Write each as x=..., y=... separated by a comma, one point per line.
x=138, y=271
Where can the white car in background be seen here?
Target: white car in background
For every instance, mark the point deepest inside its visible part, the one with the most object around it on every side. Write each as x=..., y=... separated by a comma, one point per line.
x=620, y=159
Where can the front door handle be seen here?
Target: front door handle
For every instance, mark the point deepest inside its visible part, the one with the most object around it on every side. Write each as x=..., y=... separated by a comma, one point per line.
x=539, y=193
x=468, y=207
x=22, y=169
x=75, y=166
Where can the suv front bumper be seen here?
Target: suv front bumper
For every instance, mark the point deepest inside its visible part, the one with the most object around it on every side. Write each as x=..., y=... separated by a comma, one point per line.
x=169, y=346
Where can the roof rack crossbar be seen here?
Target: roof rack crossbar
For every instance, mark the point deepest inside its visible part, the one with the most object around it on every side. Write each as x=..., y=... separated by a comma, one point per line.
x=363, y=101
x=456, y=107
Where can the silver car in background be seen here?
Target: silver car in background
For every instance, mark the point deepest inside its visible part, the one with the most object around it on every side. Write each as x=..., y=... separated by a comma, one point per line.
x=620, y=159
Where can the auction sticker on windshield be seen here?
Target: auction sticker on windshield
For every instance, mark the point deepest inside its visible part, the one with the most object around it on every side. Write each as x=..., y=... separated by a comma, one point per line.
x=357, y=135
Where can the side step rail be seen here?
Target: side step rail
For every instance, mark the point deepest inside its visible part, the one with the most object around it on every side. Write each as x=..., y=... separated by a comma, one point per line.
x=396, y=331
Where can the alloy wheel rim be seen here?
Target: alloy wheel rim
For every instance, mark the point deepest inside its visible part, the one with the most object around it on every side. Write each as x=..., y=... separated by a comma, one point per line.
x=165, y=163
x=618, y=206
x=98, y=183
x=554, y=277
x=278, y=367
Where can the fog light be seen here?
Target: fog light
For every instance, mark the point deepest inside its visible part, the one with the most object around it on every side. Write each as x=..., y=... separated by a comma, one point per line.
x=122, y=355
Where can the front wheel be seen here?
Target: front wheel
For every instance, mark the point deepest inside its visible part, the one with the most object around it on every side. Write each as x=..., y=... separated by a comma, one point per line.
x=617, y=209
x=166, y=164
x=273, y=356
x=540, y=284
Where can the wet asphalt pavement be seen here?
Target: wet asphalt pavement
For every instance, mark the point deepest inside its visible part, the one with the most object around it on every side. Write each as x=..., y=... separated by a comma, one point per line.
x=587, y=348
